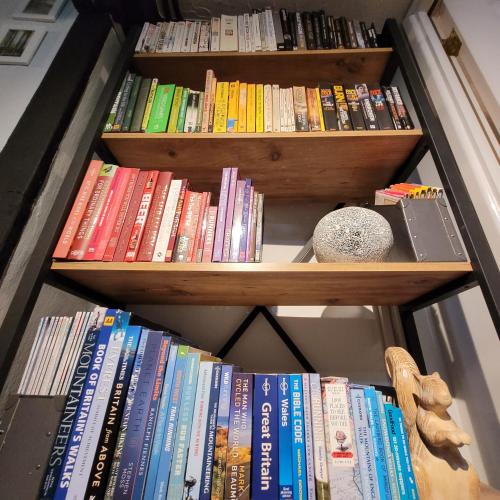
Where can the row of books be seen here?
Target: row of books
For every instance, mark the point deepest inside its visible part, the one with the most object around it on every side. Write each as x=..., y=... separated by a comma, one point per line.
x=143, y=105
x=148, y=416
x=261, y=30
x=127, y=215
x=395, y=192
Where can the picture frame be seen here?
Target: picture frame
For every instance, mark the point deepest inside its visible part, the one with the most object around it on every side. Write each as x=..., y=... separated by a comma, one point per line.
x=39, y=10
x=18, y=43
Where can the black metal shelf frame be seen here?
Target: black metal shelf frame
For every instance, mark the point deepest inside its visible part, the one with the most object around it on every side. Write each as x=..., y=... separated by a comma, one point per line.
x=485, y=272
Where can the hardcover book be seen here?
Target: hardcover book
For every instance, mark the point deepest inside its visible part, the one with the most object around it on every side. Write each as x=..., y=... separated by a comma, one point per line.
x=298, y=439
x=285, y=438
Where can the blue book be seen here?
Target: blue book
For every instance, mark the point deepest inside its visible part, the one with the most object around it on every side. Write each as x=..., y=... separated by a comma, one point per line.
x=83, y=409
x=265, y=467
x=298, y=439
x=169, y=433
x=132, y=447
x=384, y=487
x=364, y=444
x=396, y=450
x=411, y=483
x=210, y=433
x=285, y=439
x=151, y=419
x=154, y=461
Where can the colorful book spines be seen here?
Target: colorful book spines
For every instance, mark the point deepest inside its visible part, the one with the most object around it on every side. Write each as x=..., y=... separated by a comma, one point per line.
x=298, y=438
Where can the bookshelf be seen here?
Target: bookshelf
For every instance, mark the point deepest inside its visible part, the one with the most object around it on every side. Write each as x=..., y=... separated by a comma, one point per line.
x=345, y=165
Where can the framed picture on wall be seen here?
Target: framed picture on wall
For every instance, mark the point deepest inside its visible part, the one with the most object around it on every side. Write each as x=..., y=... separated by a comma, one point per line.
x=19, y=44
x=39, y=10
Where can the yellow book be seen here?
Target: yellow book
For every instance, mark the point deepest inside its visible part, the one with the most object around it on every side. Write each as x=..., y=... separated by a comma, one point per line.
x=174, y=113
x=251, y=107
x=232, y=107
x=220, y=112
x=259, y=107
x=320, y=111
x=242, y=108
x=149, y=104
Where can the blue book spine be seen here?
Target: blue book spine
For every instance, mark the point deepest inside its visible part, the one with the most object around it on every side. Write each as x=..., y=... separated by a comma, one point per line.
x=163, y=475
x=384, y=487
x=396, y=450
x=411, y=483
x=154, y=461
x=298, y=439
x=132, y=446
x=364, y=444
x=210, y=434
x=151, y=420
x=83, y=410
x=265, y=467
x=285, y=439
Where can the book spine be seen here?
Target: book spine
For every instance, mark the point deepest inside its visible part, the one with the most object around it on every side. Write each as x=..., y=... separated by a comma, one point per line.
x=210, y=434
x=309, y=31
x=242, y=108
x=161, y=109
x=259, y=107
x=358, y=122
x=319, y=110
x=247, y=191
x=323, y=24
x=215, y=34
x=312, y=110
x=389, y=98
x=404, y=117
x=298, y=443
x=345, y=33
x=122, y=107
x=381, y=109
x=300, y=109
x=301, y=34
x=195, y=42
x=170, y=430
x=174, y=113
x=359, y=35
x=253, y=230
x=191, y=111
x=222, y=425
x=221, y=107
x=364, y=33
x=149, y=104
x=366, y=106
x=232, y=107
x=268, y=108
x=213, y=95
x=328, y=107
x=364, y=444
x=259, y=238
x=257, y=40
x=271, y=42
x=308, y=438
x=181, y=120
x=187, y=36
x=134, y=93
x=96, y=487
x=241, y=34
x=78, y=210
x=228, y=226
x=153, y=222
x=206, y=99
x=199, y=112
x=239, y=454
x=250, y=111
x=287, y=37
x=352, y=34
x=331, y=32
x=195, y=253
x=276, y=107
x=342, y=107
x=338, y=33
x=292, y=28
x=187, y=227
x=236, y=228
x=175, y=225
x=318, y=40
x=409, y=475
x=204, y=37
x=248, y=249
x=285, y=438
x=108, y=127
x=221, y=215
x=208, y=243
x=178, y=36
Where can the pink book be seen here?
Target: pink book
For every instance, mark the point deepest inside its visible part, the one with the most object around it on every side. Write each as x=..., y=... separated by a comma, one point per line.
x=221, y=215
x=229, y=215
x=253, y=228
x=249, y=226
x=76, y=214
x=208, y=244
x=237, y=222
x=202, y=224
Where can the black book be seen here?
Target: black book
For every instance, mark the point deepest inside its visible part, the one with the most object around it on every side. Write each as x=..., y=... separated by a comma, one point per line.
x=308, y=29
x=338, y=33
x=287, y=37
x=355, y=112
x=391, y=105
x=292, y=27
x=372, y=33
x=325, y=37
x=331, y=32
x=366, y=105
x=352, y=34
x=381, y=108
x=278, y=31
x=342, y=107
x=345, y=33
x=403, y=114
x=364, y=32
x=328, y=107
x=122, y=107
x=317, y=30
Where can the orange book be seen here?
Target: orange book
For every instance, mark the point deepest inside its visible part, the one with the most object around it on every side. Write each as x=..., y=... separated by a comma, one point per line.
x=313, y=111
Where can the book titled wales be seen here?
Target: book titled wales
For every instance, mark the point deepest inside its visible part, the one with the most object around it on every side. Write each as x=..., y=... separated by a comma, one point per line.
x=285, y=438
x=265, y=468
x=239, y=451
x=298, y=441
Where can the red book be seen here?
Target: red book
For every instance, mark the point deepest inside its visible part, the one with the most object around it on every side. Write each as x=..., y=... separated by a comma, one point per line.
x=193, y=227
x=192, y=257
x=208, y=244
x=92, y=212
x=154, y=218
x=142, y=215
x=182, y=243
x=202, y=226
x=175, y=226
x=76, y=214
x=128, y=223
x=120, y=219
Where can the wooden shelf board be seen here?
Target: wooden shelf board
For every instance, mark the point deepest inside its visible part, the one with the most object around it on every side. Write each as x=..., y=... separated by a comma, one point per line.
x=264, y=283
x=305, y=67
x=294, y=165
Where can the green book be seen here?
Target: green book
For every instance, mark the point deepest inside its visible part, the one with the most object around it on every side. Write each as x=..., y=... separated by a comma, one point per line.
x=174, y=114
x=131, y=103
x=122, y=107
x=140, y=106
x=182, y=110
x=161, y=108
x=112, y=114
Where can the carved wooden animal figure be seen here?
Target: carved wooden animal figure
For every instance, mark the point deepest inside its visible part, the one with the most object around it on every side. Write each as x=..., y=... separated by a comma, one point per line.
x=440, y=470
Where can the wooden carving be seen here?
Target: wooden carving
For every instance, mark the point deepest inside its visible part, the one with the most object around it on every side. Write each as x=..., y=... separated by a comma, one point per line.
x=440, y=470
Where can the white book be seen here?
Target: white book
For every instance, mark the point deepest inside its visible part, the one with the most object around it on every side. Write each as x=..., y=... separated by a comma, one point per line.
x=161, y=37
x=171, y=37
x=149, y=38
x=194, y=464
x=228, y=33
x=257, y=45
x=196, y=37
x=154, y=39
x=40, y=376
x=241, y=34
x=204, y=44
x=359, y=34
x=247, y=33
x=180, y=28
x=199, y=111
x=52, y=359
x=215, y=34
x=283, y=111
x=251, y=32
x=292, y=112
x=259, y=240
x=268, y=108
x=56, y=356
x=271, y=35
x=32, y=381
x=308, y=435
x=191, y=111
x=276, y=108
x=188, y=36
x=142, y=37
x=168, y=36
x=167, y=221
x=95, y=419
x=207, y=100
x=263, y=30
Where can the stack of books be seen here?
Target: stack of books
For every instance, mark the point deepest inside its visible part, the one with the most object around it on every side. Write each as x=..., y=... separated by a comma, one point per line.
x=144, y=105
x=148, y=416
x=261, y=30
x=128, y=215
x=395, y=192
